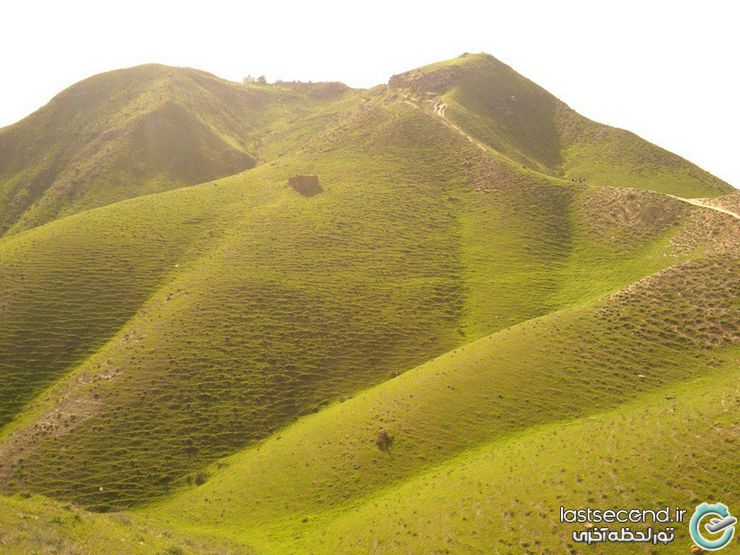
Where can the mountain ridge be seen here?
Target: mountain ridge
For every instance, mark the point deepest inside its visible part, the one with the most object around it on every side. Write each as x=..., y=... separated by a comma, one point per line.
x=542, y=132
x=152, y=127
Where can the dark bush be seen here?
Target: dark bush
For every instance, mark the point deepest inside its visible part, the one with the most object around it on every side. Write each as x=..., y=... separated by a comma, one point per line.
x=383, y=440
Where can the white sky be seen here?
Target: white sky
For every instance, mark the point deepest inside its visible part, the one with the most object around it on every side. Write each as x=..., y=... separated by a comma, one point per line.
x=667, y=70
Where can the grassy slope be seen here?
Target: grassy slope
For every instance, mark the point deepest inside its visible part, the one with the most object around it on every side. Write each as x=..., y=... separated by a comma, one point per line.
x=151, y=128
x=137, y=131
x=33, y=524
x=273, y=309
x=233, y=308
x=67, y=287
x=499, y=495
x=255, y=346
x=526, y=123
x=565, y=365
x=505, y=496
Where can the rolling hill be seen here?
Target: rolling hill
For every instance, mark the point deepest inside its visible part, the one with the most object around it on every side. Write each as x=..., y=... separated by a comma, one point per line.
x=521, y=299
x=138, y=131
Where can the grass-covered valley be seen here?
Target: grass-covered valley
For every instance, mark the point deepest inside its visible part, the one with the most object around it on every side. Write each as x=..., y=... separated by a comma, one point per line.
x=490, y=308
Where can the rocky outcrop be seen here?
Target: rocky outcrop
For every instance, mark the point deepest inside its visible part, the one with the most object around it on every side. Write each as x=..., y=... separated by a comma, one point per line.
x=438, y=81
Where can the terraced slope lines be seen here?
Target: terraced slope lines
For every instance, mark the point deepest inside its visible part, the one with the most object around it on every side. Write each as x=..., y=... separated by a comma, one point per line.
x=490, y=307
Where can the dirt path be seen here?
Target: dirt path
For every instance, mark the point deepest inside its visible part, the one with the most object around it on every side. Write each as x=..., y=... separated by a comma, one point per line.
x=704, y=204
x=439, y=111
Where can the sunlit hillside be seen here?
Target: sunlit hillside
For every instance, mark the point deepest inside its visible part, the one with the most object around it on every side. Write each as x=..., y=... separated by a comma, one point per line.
x=489, y=307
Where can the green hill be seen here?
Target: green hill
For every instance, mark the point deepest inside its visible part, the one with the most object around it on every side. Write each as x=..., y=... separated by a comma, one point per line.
x=500, y=496
x=217, y=360
x=153, y=128
x=523, y=121
x=134, y=132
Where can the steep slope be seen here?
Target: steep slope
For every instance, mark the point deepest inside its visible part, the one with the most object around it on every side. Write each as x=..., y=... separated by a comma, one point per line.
x=506, y=496
x=675, y=326
x=221, y=358
x=523, y=121
x=136, y=131
x=68, y=287
x=152, y=128
x=284, y=303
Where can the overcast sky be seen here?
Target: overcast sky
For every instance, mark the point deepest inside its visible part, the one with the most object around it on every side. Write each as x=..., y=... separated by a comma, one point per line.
x=665, y=70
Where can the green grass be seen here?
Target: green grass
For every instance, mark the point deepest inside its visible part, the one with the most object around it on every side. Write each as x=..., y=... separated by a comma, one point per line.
x=217, y=360
x=527, y=124
x=33, y=524
x=143, y=130
x=505, y=496
x=283, y=304
x=570, y=364
x=68, y=287
x=500, y=495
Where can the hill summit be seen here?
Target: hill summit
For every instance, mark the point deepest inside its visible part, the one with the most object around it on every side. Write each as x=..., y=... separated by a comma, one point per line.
x=522, y=121
x=153, y=128
x=133, y=132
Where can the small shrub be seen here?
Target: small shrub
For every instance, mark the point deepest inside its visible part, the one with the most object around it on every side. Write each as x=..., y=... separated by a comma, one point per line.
x=383, y=440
